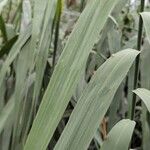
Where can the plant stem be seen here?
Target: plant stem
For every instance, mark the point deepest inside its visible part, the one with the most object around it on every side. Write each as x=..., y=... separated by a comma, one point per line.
x=136, y=73
x=57, y=22
x=82, y=5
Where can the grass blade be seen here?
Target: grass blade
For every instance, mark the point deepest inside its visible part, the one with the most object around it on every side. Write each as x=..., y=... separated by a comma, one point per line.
x=43, y=47
x=120, y=136
x=95, y=101
x=67, y=72
x=3, y=28
x=146, y=20
x=14, y=52
x=6, y=113
x=8, y=45
x=145, y=83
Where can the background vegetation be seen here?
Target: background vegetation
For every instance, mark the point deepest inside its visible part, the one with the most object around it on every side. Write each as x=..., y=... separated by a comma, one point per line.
x=74, y=74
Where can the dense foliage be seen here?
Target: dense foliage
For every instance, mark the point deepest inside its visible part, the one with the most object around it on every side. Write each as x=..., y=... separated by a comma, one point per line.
x=74, y=74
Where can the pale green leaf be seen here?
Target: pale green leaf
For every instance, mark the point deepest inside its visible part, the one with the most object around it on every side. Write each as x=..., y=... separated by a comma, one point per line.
x=114, y=107
x=145, y=83
x=95, y=101
x=38, y=17
x=144, y=94
x=146, y=20
x=43, y=47
x=22, y=67
x=14, y=52
x=120, y=135
x=67, y=72
x=2, y=4
x=6, y=113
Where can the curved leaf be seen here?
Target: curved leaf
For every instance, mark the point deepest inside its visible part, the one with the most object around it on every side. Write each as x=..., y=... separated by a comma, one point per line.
x=144, y=94
x=120, y=135
x=95, y=101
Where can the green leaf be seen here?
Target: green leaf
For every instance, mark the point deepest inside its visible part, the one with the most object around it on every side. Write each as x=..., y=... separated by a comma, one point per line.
x=145, y=61
x=41, y=54
x=145, y=83
x=8, y=45
x=146, y=20
x=43, y=47
x=68, y=72
x=22, y=67
x=14, y=52
x=6, y=113
x=114, y=40
x=3, y=28
x=2, y=4
x=114, y=107
x=95, y=101
x=38, y=16
x=130, y=88
x=144, y=94
x=120, y=135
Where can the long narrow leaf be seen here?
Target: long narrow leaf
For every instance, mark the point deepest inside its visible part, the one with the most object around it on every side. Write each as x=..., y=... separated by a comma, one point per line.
x=43, y=48
x=67, y=72
x=144, y=94
x=146, y=20
x=145, y=83
x=95, y=101
x=38, y=15
x=22, y=67
x=14, y=52
x=6, y=114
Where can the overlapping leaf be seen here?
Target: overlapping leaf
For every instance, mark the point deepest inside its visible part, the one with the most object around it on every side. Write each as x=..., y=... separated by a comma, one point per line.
x=146, y=20
x=14, y=52
x=145, y=83
x=95, y=101
x=120, y=136
x=67, y=72
x=144, y=94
